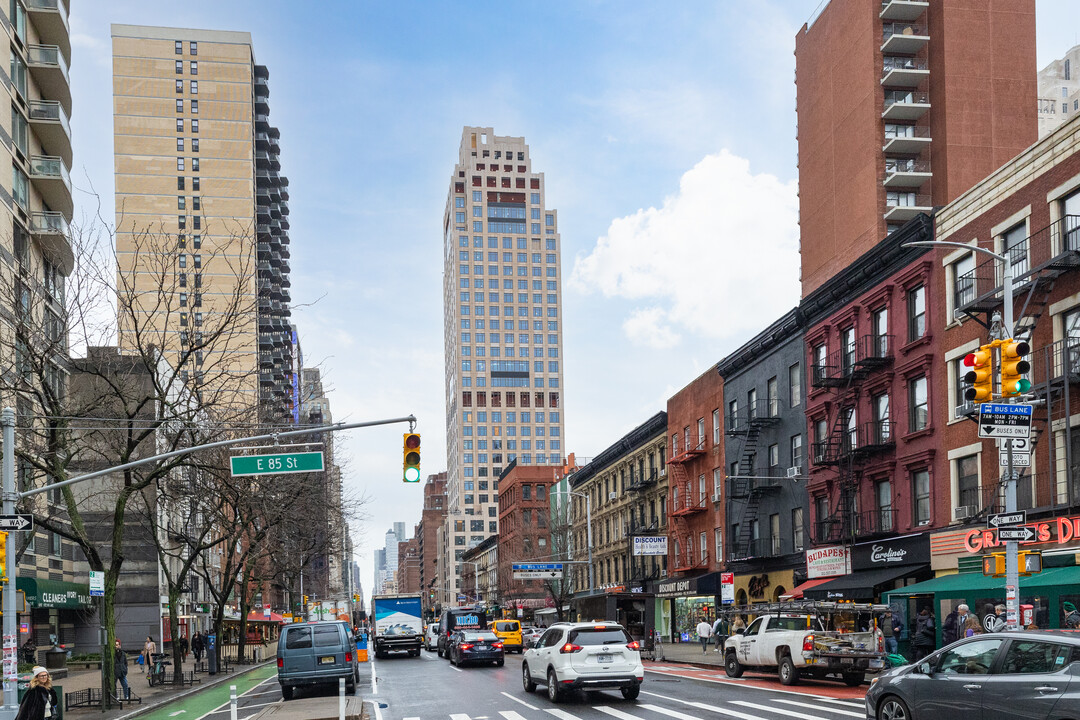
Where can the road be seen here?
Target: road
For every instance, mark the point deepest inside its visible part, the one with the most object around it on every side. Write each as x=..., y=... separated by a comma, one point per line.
x=429, y=688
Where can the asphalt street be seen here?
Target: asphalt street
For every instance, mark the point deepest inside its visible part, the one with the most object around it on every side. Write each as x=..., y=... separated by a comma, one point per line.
x=429, y=688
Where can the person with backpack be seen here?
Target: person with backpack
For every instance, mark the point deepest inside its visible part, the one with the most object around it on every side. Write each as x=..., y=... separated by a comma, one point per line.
x=925, y=639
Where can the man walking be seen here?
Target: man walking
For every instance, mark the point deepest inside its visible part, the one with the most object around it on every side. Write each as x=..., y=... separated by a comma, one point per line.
x=704, y=631
x=120, y=668
x=197, y=646
x=888, y=631
x=719, y=634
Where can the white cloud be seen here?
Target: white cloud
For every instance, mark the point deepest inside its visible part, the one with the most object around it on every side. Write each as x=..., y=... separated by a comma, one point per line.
x=718, y=259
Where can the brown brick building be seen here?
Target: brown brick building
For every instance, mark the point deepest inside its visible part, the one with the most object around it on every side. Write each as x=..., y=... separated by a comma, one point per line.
x=408, y=570
x=524, y=531
x=427, y=533
x=903, y=106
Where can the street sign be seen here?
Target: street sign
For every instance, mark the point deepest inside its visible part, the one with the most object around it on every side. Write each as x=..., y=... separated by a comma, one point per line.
x=279, y=464
x=16, y=522
x=1001, y=420
x=537, y=571
x=1018, y=459
x=97, y=583
x=1023, y=534
x=999, y=519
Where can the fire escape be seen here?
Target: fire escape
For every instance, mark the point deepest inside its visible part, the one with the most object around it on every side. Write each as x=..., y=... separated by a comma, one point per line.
x=1038, y=261
x=685, y=502
x=850, y=446
x=752, y=483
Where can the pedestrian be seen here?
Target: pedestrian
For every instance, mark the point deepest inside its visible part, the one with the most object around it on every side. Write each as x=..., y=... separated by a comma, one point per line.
x=183, y=648
x=925, y=640
x=972, y=627
x=197, y=646
x=40, y=700
x=704, y=631
x=737, y=624
x=29, y=651
x=149, y=649
x=950, y=628
x=719, y=634
x=120, y=668
x=888, y=631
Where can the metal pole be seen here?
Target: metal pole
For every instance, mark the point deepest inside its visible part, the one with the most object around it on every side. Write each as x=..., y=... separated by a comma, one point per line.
x=341, y=698
x=232, y=702
x=588, y=521
x=7, y=470
x=1012, y=563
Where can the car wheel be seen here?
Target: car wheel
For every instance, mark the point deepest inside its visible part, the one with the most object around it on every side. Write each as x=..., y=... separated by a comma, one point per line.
x=854, y=679
x=350, y=686
x=893, y=708
x=451, y=656
x=554, y=695
x=732, y=666
x=526, y=678
x=286, y=692
x=631, y=693
x=440, y=651
x=788, y=674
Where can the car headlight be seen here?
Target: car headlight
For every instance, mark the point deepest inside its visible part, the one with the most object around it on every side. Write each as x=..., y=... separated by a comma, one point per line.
x=873, y=681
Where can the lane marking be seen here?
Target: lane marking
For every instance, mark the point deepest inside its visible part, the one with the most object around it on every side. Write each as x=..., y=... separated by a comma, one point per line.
x=710, y=708
x=768, y=708
x=375, y=706
x=508, y=714
x=374, y=683
x=562, y=714
x=670, y=713
x=843, y=701
x=411, y=718
x=741, y=683
x=519, y=700
x=243, y=694
x=460, y=716
x=615, y=713
x=455, y=667
x=818, y=707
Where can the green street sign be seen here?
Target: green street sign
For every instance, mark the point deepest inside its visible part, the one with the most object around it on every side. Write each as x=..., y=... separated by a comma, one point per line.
x=279, y=464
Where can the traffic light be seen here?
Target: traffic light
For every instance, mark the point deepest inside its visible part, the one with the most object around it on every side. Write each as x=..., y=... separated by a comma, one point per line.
x=980, y=378
x=994, y=565
x=305, y=601
x=3, y=557
x=411, y=456
x=1029, y=562
x=1013, y=367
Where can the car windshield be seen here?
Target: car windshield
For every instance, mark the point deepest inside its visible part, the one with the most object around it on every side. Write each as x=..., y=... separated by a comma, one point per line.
x=506, y=626
x=599, y=636
x=480, y=637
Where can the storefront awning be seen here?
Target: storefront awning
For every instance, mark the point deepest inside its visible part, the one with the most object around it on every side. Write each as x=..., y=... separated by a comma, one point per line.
x=858, y=585
x=796, y=592
x=45, y=593
x=969, y=582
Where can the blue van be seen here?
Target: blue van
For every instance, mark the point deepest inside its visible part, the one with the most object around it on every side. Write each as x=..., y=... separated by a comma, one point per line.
x=316, y=653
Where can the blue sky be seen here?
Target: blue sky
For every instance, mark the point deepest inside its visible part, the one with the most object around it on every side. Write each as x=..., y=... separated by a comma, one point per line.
x=667, y=135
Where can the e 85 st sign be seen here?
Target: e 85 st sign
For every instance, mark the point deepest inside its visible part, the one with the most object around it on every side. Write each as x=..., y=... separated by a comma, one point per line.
x=279, y=464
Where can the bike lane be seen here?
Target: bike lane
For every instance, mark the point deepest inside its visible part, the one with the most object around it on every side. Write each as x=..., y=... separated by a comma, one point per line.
x=203, y=702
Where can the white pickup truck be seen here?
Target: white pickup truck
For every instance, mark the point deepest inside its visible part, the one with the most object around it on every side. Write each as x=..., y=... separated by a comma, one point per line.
x=794, y=644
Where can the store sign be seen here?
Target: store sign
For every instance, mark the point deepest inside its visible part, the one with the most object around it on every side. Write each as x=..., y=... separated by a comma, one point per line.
x=824, y=562
x=675, y=588
x=649, y=545
x=727, y=588
x=1056, y=531
x=891, y=552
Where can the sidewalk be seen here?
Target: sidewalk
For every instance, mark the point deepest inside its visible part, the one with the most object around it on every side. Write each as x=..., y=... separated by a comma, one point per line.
x=691, y=653
x=152, y=697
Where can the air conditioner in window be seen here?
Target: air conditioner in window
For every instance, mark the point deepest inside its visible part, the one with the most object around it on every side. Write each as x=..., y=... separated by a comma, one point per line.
x=716, y=497
x=663, y=472
x=612, y=495
x=964, y=512
x=793, y=471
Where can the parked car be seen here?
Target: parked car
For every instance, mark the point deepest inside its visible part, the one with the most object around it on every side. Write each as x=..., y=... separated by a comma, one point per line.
x=529, y=635
x=469, y=646
x=431, y=636
x=985, y=677
x=509, y=631
x=590, y=656
x=316, y=653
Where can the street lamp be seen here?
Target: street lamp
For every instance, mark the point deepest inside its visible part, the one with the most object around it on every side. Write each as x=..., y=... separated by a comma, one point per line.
x=1012, y=568
x=588, y=527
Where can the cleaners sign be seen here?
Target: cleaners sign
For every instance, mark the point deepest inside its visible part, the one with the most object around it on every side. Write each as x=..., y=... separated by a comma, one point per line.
x=826, y=562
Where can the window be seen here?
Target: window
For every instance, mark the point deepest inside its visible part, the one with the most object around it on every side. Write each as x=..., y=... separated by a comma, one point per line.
x=960, y=403
x=194, y=87
x=193, y=47
x=194, y=144
x=967, y=481
x=179, y=86
x=194, y=126
x=178, y=47
x=819, y=363
x=716, y=426
x=1015, y=244
x=918, y=405
x=794, y=385
x=194, y=67
x=821, y=439
x=701, y=432
x=971, y=658
x=179, y=106
x=881, y=430
x=920, y=494
x=179, y=67
x=798, y=534
x=195, y=181
x=703, y=547
x=179, y=125
x=774, y=455
x=179, y=144
x=772, y=396
x=964, y=281
x=751, y=403
x=883, y=501
x=795, y=449
x=181, y=202
x=847, y=346
x=195, y=107
x=916, y=307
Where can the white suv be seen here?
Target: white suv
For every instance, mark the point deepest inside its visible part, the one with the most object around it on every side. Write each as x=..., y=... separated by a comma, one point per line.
x=590, y=656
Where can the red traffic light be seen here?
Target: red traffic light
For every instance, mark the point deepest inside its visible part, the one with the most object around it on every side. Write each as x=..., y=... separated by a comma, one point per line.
x=412, y=441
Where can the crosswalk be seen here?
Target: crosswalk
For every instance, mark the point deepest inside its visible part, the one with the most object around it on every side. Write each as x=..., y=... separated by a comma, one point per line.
x=655, y=706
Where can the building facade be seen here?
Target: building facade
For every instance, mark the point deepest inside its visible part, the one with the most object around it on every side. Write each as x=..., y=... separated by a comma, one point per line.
x=432, y=518
x=525, y=525
x=198, y=185
x=503, y=333
x=902, y=106
x=1059, y=92
x=767, y=511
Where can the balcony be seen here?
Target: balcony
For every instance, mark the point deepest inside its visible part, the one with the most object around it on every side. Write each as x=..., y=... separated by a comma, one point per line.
x=760, y=548
x=682, y=506
x=688, y=453
x=905, y=105
x=50, y=18
x=694, y=562
x=50, y=124
x=901, y=206
x=906, y=173
x=758, y=481
x=644, y=481
x=905, y=38
x=906, y=139
x=49, y=177
x=643, y=527
x=882, y=521
x=50, y=230
x=902, y=10
x=50, y=70
x=904, y=72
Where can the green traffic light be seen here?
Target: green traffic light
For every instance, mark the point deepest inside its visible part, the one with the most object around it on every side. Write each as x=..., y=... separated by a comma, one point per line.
x=412, y=474
x=1023, y=385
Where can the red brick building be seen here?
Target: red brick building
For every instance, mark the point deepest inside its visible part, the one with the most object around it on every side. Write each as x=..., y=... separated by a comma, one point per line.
x=427, y=533
x=903, y=106
x=524, y=531
x=408, y=572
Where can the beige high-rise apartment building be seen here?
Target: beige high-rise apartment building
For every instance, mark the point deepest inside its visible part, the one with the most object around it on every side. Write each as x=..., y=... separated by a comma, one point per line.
x=201, y=210
x=1059, y=91
x=502, y=299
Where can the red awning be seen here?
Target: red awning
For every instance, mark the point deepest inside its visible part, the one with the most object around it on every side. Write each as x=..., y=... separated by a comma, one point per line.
x=256, y=616
x=796, y=592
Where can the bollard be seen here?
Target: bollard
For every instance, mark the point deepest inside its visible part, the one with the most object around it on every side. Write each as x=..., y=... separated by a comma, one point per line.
x=232, y=702
x=341, y=699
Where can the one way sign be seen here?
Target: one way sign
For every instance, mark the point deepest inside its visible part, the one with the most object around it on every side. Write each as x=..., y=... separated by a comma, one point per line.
x=1023, y=534
x=16, y=522
x=1001, y=519
x=1002, y=420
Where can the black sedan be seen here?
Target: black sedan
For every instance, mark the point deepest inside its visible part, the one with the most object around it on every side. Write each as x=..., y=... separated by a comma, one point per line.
x=996, y=676
x=466, y=647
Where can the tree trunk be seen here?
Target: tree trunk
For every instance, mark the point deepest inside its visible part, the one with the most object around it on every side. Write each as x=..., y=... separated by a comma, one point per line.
x=174, y=633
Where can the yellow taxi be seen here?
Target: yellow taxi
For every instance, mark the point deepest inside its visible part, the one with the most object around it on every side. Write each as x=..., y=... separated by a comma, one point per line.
x=509, y=631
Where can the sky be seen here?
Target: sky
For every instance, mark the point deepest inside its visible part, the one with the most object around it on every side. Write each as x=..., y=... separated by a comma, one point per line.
x=666, y=133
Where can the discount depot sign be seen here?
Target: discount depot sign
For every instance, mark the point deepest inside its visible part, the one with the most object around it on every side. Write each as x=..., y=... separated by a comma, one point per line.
x=1055, y=531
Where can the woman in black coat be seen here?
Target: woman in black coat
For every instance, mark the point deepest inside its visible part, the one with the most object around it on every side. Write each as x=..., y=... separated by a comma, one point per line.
x=40, y=701
x=925, y=640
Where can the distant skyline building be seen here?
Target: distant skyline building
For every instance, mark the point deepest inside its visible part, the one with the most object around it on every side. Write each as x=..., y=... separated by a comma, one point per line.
x=1059, y=92
x=503, y=335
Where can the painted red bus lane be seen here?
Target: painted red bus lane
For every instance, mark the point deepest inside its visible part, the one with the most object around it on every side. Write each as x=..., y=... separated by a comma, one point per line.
x=821, y=688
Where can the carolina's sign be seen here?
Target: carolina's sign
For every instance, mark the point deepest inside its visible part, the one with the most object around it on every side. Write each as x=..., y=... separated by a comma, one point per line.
x=1048, y=532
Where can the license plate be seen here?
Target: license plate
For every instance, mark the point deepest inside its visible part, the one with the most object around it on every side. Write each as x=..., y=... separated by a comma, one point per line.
x=327, y=660
x=847, y=661
x=603, y=658
x=481, y=647
x=877, y=663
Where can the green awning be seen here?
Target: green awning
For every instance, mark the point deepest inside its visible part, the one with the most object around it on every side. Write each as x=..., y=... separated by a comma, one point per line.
x=976, y=582
x=44, y=593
